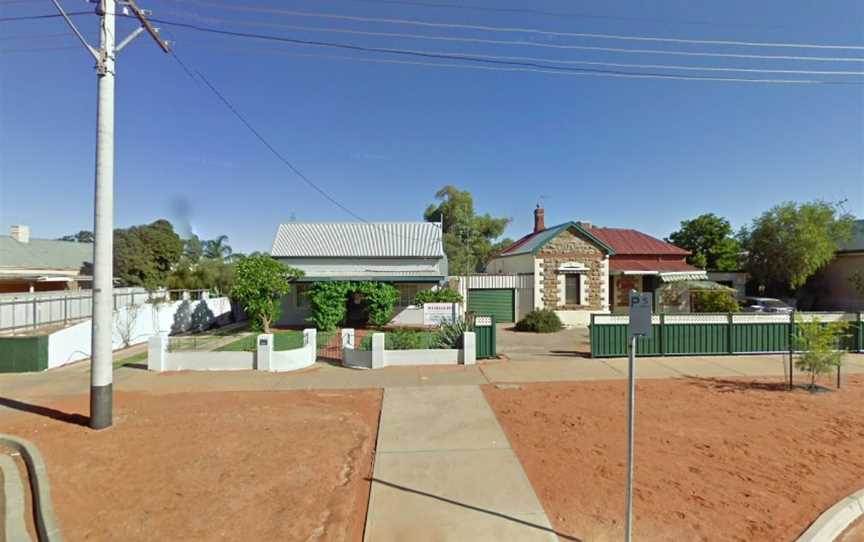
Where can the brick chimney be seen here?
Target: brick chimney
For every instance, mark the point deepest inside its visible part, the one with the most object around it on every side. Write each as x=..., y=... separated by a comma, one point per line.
x=20, y=233
x=539, y=223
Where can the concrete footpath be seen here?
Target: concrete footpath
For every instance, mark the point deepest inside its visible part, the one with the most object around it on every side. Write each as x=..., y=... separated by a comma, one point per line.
x=444, y=470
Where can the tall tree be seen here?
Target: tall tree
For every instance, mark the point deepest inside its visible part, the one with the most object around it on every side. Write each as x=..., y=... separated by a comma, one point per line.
x=259, y=283
x=83, y=236
x=193, y=248
x=789, y=243
x=709, y=239
x=145, y=255
x=467, y=236
x=217, y=249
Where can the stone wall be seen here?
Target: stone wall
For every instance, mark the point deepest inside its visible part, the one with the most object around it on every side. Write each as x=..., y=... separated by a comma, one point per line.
x=570, y=246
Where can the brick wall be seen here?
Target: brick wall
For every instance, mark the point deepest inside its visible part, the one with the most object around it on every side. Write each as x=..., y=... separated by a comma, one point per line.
x=569, y=246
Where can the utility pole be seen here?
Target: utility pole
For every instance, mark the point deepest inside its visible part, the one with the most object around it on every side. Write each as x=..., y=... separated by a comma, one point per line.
x=101, y=369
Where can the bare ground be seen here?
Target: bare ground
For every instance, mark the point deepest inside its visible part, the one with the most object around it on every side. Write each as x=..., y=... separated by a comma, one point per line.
x=210, y=466
x=715, y=459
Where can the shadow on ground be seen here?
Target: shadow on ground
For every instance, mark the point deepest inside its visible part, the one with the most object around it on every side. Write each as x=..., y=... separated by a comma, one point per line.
x=475, y=508
x=54, y=414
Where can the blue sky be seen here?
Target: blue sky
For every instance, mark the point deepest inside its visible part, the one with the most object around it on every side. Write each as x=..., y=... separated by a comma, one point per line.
x=382, y=138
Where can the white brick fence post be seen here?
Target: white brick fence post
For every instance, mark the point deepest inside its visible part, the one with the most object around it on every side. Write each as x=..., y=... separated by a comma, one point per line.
x=469, y=348
x=347, y=337
x=310, y=340
x=264, y=352
x=377, y=350
x=157, y=345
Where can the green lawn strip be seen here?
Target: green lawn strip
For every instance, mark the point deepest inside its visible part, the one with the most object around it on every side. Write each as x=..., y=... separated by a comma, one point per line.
x=282, y=340
x=136, y=358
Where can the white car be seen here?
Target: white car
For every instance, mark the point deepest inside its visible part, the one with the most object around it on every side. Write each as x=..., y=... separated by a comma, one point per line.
x=765, y=305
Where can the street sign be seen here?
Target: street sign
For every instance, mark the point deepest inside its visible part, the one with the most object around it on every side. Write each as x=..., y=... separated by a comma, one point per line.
x=640, y=314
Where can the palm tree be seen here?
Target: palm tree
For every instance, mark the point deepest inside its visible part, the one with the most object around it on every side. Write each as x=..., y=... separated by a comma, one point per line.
x=217, y=249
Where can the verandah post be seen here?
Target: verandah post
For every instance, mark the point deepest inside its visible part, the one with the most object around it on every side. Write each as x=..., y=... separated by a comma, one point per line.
x=791, y=344
x=860, y=332
x=662, y=334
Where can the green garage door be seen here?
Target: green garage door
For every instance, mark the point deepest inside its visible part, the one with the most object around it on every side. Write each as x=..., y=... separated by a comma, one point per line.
x=492, y=301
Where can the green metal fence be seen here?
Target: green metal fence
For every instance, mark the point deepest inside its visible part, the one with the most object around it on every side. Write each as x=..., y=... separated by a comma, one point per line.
x=23, y=354
x=484, y=336
x=714, y=334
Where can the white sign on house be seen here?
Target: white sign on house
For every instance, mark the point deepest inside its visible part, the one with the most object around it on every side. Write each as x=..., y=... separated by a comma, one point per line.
x=435, y=314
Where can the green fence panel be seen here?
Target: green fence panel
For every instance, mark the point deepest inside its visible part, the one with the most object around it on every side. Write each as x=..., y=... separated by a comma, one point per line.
x=484, y=337
x=23, y=354
x=770, y=337
x=684, y=339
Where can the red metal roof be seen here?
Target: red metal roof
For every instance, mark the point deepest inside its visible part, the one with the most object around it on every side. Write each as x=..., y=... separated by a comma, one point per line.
x=646, y=264
x=631, y=242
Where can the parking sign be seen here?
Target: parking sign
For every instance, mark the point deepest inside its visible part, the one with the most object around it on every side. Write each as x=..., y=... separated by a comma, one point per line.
x=640, y=313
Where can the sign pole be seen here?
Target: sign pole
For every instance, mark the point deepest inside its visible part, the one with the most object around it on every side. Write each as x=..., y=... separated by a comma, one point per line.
x=631, y=414
x=640, y=324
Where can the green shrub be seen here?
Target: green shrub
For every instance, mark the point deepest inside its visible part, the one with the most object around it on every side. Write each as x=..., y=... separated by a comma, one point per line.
x=380, y=298
x=405, y=339
x=540, y=321
x=819, y=346
x=328, y=303
x=452, y=334
x=714, y=301
x=441, y=295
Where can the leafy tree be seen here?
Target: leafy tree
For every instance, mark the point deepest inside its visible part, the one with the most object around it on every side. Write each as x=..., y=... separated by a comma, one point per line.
x=193, y=248
x=83, y=236
x=819, y=346
x=857, y=280
x=709, y=238
x=467, y=235
x=380, y=299
x=327, y=301
x=259, y=284
x=217, y=249
x=204, y=275
x=791, y=242
x=145, y=255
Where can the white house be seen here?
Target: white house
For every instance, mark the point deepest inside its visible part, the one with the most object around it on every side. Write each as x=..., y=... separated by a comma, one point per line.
x=409, y=255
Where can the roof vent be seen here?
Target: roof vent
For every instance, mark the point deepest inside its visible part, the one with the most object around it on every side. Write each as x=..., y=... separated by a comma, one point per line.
x=20, y=233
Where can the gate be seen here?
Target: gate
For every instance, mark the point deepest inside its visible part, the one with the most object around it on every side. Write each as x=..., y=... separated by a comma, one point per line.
x=484, y=331
x=329, y=346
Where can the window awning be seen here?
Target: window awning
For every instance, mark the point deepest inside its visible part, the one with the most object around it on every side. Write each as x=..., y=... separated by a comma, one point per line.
x=678, y=276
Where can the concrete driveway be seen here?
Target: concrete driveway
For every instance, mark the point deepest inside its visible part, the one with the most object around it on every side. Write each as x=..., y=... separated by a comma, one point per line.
x=525, y=346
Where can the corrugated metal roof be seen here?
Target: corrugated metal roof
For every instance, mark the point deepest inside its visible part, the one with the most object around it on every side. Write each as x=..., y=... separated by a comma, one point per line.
x=534, y=241
x=357, y=240
x=44, y=254
x=626, y=241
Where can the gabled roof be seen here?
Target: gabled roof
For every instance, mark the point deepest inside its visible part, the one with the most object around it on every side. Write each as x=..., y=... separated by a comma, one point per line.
x=856, y=242
x=533, y=242
x=358, y=240
x=44, y=254
x=634, y=242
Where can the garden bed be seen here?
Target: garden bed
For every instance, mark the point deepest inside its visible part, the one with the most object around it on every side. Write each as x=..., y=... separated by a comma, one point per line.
x=282, y=340
x=210, y=466
x=715, y=459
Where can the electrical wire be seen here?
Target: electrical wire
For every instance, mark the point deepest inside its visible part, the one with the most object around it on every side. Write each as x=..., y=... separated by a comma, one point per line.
x=514, y=42
x=403, y=52
x=486, y=28
x=48, y=16
x=626, y=65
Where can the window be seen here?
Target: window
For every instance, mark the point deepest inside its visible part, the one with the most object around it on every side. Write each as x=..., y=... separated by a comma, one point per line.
x=407, y=292
x=571, y=288
x=301, y=295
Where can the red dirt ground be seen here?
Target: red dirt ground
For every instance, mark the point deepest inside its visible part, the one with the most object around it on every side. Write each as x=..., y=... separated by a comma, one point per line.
x=715, y=459
x=211, y=466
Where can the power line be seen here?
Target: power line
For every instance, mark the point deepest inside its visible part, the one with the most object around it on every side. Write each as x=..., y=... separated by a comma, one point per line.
x=625, y=65
x=514, y=42
x=49, y=16
x=37, y=49
x=557, y=14
x=519, y=69
x=486, y=28
x=403, y=52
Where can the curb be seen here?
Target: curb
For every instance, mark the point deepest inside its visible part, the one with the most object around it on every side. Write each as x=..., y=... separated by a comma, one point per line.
x=47, y=529
x=832, y=522
x=13, y=492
